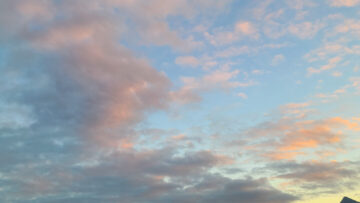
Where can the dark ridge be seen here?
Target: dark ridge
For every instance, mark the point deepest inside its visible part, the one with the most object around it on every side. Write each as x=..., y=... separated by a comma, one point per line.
x=348, y=200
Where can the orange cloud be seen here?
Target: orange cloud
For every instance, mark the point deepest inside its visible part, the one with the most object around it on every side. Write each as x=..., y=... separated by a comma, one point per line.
x=340, y=121
x=283, y=155
x=308, y=138
x=179, y=137
x=289, y=139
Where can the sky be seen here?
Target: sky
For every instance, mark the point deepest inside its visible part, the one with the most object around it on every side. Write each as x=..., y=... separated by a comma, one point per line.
x=188, y=101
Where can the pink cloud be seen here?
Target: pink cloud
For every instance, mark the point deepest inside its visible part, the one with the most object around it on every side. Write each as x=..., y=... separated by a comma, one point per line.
x=346, y=3
x=245, y=27
x=351, y=26
x=187, y=61
x=239, y=31
x=305, y=30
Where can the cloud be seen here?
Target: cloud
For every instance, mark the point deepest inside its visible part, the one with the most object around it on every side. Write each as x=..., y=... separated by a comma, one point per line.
x=136, y=19
x=300, y=4
x=337, y=74
x=240, y=30
x=310, y=134
x=352, y=85
x=332, y=50
x=320, y=177
x=85, y=78
x=70, y=87
x=150, y=20
x=78, y=97
x=163, y=162
x=234, y=51
x=245, y=27
x=289, y=135
x=331, y=64
x=187, y=61
x=278, y=59
x=205, y=62
x=305, y=30
x=279, y=20
x=257, y=72
x=242, y=95
x=74, y=102
x=219, y=79
x=345, y=3
x=255, y=191
x=14, y=116
x=147, y=176
x=355, y=82
x=351, y=26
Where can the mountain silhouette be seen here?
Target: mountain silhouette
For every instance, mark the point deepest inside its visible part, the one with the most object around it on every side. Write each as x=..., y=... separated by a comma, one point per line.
x=348, y=200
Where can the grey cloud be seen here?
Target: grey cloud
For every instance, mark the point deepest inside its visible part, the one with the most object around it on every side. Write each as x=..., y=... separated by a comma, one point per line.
x=158, y=176
x=324, y=176
x=215, y=188
x=82, y=94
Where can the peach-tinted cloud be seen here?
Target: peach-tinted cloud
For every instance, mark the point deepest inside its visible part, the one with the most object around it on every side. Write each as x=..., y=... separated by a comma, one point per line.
x=234, y=51
x=355, y=82
x=305, y=30
x=283, y=155
x=295, y=110
x=219, y=79
x=350, y=26
x=187, y=61
x=291, y=137
x=351, y=86
x=179, y=137
x=346, y=3
x=340, y=121
x=240, y=30
x=242, y=95
x=309, y=137
x=205, y=62
x=277, y=59
x=41, y=10
x=151, y=18
x=74, y=99
x=329, y=49
x=296, y=105
x=331, y=64
x=313, y=134
x=116, y=86
x=247, y=28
